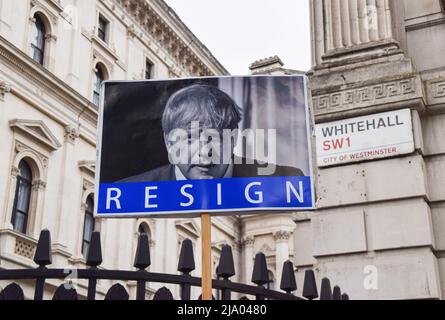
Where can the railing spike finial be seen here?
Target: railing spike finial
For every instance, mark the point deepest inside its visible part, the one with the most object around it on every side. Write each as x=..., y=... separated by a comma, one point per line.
x=310, y=285
x=288, y=282
x=186, y=263
x=94, y=257
x=325, y=291
x=142, y=257
x=260, y=275
x=336, y=294
x=226, y=267
x=43, y=255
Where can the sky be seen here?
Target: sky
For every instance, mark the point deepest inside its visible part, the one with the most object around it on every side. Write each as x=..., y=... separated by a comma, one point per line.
x=239, y=32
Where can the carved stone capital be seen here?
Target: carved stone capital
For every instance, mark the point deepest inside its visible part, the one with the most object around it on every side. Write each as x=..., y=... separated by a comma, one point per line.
x=87, y=185
x=4, y=89
x=71, y=133
x=15, y=171
x=51, y=37
x=281, y=235
x=38, y=185
x=248, y=241
x=131, y=31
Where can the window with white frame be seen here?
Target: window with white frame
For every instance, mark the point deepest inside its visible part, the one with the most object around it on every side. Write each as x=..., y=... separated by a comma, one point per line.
x=38, y=35
x=20, y=214
x=88, y=225
x=149, y=68
x=102, y=28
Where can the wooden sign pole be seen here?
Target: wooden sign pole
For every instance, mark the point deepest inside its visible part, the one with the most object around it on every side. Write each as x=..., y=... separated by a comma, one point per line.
x=206, y=255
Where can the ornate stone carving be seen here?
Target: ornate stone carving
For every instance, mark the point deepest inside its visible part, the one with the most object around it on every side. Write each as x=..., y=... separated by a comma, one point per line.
x=248, y=241
x=4, y=89
x=363, y=96
x=15, y=171
x=131, y=31
x=36, y=129
x=71, y=133
x=38, y=185
x=20, y=147
x=435, y=91
x=165, y=36
x=24, y=248
x=87, y=185
x=282, y=235
x=439, y=90
x=39, y=6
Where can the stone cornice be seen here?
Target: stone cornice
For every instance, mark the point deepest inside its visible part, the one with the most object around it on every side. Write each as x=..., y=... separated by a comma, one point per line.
x=157, y=18
x=356, y=97
x=44, y=79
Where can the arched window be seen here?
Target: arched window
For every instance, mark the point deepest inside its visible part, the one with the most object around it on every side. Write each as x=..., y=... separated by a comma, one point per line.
x=88, y=225
x=98, y=78
x=20, y=212
x=270, y=283
x=38, y=40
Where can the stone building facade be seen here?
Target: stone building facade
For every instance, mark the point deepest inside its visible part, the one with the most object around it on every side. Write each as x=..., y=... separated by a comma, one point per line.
x=53, y=56
x=378, y=231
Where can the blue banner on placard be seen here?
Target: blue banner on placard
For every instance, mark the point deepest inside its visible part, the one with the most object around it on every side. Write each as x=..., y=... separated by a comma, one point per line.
x=215, y=195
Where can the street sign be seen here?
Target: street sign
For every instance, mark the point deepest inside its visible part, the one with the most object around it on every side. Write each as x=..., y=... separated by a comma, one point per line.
x=370, y=137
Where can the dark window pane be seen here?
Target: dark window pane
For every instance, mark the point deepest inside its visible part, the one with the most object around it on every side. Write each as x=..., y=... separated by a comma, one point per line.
x=98, y=79
x=38, y=40
x=25, y=171
x=88, y=225
x=19, y=217
x=102, y=29
x=23, y=195
x=148, y=69
x=90, y=205
x=20, y=222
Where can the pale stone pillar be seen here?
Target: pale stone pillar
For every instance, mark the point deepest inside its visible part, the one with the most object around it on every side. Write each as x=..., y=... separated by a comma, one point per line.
x=248, y=255
x=38, y=189
x=363, y=21
x=65, y=211
x=354, y=22
x=281, y=252
x=6, y=221
x=328, y=25
x=336, y=20
x=318, y=37
x=346, y=23
x=341, y=24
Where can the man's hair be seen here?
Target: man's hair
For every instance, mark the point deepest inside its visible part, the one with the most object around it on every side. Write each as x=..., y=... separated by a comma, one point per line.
x=207, y=104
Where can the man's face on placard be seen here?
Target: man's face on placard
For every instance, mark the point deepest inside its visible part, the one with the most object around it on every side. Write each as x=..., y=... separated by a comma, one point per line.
x=203, y=153
x=200, y=125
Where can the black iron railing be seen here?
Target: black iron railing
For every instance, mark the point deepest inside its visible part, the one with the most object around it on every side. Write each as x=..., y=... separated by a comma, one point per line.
x=142, y=261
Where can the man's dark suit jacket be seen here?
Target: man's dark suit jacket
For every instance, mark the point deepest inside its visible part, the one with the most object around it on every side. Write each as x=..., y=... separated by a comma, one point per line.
x=242, y=170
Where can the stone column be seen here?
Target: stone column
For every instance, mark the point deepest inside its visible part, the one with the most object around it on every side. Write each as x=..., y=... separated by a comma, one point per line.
x=318, y=38
x=38, y=189
x=339, y=24
x=248, y=255
x=65, y=210
x=281, y=253
x=6, y=219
